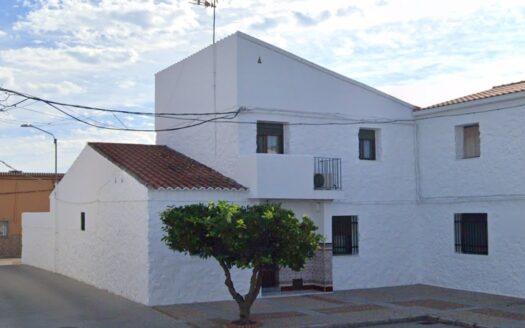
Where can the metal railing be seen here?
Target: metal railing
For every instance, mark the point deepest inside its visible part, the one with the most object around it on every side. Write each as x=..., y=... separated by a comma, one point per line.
x=327, y=173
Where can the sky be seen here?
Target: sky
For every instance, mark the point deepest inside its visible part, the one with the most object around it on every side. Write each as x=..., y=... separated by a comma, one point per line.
x=105, y=53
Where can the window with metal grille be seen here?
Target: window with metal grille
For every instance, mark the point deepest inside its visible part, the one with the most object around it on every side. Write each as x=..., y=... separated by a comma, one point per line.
x=367, y=144
x=471, y=234
x=4, y=229
x=345, y=236
x=270, y=138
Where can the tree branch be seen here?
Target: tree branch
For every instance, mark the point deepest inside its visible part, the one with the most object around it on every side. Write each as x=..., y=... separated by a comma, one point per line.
x=255, y=286
x=229, y=283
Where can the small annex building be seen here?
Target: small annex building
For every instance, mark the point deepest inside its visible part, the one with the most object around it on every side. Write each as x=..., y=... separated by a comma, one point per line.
x=105, y=227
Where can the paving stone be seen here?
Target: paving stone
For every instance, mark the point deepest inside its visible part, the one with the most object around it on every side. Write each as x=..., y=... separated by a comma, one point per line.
x=276, y=315
x=500, y=314
x=181, y=311
x=352, y=308
x=432, y=304
x=327, y=299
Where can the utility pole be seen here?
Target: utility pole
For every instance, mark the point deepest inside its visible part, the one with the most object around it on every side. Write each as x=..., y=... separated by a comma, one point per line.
x=206, y=4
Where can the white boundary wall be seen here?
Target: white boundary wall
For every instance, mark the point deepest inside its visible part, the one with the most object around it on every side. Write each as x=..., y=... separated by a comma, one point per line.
x=38, y=240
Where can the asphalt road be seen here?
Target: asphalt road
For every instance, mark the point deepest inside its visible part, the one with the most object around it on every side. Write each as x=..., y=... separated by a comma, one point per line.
x=35, y=298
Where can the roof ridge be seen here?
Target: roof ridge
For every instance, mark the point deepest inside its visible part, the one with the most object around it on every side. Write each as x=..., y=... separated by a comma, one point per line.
x=495, y=91
x=120, y=143
x=508, y=84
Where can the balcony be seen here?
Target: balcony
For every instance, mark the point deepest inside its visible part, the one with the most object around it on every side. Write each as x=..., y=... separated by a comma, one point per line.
x=272, y=176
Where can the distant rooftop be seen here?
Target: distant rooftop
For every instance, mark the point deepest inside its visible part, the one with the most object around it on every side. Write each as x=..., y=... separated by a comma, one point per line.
x=40, y=175
x=498, y=90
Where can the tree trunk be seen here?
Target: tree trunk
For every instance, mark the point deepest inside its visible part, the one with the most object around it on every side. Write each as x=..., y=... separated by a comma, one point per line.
x=245, y=303
x=244, y=313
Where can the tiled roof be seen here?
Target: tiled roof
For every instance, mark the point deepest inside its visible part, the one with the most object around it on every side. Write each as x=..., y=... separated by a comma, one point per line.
x=39, y=175
x=160, y=167
x=498, y=90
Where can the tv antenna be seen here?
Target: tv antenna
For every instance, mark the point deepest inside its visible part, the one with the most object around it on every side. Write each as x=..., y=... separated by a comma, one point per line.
x=206, y=4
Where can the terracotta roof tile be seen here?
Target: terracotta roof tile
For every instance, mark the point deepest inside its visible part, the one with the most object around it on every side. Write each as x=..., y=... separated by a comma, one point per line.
x=160, y=167
x=498, y=90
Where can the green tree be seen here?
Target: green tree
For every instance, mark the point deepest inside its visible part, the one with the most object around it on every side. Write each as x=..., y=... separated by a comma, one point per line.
x=246, y=237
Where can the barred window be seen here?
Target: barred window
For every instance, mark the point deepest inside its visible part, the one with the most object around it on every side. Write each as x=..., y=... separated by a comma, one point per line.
x=471, y=233
x=345, y=237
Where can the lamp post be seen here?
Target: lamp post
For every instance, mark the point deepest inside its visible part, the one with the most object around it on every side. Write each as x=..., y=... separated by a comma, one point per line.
x=54, y=141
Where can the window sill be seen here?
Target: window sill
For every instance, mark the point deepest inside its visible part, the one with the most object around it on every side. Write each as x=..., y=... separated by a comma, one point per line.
x=345, y=255
x=472, y=256
x=462, y=158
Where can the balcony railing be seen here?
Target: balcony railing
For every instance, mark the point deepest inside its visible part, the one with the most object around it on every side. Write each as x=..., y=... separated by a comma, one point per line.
x=327, y=173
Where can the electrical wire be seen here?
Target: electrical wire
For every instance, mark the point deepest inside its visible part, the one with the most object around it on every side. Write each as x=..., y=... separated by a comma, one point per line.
x=27, y=96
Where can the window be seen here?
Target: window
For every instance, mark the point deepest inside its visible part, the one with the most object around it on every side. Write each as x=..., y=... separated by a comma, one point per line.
x=270, y=138
x=367, y=144
x=471, y=235
x=83, y=221
x=468, y=141
x=345, y=235
x=4, y=229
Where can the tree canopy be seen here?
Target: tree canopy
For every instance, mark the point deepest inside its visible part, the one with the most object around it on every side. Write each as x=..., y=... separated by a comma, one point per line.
x=246, y=237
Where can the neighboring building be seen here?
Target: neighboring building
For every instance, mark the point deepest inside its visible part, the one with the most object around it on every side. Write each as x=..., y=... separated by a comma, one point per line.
x=20, y=192
x=403, y=195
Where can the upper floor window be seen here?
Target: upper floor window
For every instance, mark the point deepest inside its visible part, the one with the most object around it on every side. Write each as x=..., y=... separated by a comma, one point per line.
x=4, y=228
x=270, y=138
x=367, y=144
x=468, y=141
x=471, y=233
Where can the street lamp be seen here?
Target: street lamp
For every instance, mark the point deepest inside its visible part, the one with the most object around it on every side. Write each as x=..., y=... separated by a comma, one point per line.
x=54, y=141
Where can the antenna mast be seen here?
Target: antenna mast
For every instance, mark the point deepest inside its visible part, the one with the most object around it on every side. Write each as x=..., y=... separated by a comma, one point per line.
x=206, y=4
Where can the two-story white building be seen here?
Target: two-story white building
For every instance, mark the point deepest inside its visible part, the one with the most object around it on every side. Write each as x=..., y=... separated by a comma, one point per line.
x=403, y=195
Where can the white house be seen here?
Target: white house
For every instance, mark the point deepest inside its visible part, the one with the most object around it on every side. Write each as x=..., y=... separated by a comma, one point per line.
x=403, y=195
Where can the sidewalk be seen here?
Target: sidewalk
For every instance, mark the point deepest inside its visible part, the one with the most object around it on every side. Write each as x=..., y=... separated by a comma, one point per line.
x=391, y=306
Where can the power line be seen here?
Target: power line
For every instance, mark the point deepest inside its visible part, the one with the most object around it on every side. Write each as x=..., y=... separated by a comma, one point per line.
x=27, y=96
x=200, y=122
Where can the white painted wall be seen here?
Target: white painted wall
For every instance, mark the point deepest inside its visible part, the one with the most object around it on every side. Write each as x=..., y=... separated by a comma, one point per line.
x=188, y=87
x=500, y=164
x=38, y=240
x=493, y=183
x=280, y=177
x=178, y=278
x=501, y=272
x=112, y=253
x=389, y=254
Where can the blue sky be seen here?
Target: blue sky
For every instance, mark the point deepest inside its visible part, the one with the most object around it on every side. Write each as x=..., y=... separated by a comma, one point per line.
x=105, y=53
